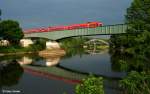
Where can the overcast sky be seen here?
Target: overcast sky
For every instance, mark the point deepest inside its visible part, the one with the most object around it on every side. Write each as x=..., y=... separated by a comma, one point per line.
x=38, y=13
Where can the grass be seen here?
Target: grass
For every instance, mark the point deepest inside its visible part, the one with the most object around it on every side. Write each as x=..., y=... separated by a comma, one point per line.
x=16, y=49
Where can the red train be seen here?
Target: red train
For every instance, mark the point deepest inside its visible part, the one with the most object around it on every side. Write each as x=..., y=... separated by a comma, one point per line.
x=69, y=27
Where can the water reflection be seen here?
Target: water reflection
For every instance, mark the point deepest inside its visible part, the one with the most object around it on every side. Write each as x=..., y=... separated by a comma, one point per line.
x=96, y=51
x=136, y=65
x=10, y=73
x=52, y=61
x=25, y=60
x=49, y=61
x=39, y=61
x=76, y=59
x=90, y=61
x=129, y=62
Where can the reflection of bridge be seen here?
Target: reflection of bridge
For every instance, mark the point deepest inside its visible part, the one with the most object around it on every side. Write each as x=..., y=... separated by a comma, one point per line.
x=48, y=61
x=96, y=46
x=103, y=30
x=96, y=51
x=55, y=73
x=61, y=73
x=58, y=69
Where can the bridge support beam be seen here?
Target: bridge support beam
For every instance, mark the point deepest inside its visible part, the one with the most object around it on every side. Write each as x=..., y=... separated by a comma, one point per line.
x=103, y=30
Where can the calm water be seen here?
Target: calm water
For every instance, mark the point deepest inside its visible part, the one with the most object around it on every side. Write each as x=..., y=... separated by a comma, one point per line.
x=32, y=74
x=98, y=64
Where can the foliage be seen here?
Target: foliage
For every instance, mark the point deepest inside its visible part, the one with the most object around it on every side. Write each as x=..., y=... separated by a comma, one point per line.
x=91, y=85
x=136, y=83
x=73, y=46
x=11, y=31
x=40, y=43
x=15, y=49
x=0, y=14
x=73, y=42
x=138, y=18
x=136, y=45
x=138, y=15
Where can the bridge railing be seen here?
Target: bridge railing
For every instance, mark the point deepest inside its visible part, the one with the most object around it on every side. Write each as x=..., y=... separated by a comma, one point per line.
x=102, y=30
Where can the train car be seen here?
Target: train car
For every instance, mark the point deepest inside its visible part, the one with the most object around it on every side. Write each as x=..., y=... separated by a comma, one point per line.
x=69, y=27
x=94, y=24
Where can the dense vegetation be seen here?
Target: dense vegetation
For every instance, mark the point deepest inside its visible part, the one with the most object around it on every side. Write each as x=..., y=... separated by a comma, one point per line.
x=0, y=14
x=131, y=51
x=138, y=18
x=71, y=44
x=11, y=31
x=91, y=85
x=136, y=83
x=39, y=44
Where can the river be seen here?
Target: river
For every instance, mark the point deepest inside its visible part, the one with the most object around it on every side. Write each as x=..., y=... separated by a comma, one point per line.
x=33, y=74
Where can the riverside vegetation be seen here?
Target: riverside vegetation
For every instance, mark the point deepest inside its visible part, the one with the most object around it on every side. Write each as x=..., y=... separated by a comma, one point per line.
x=135, y=47
x=10, y=30
x=130, y=52
x=38, y=45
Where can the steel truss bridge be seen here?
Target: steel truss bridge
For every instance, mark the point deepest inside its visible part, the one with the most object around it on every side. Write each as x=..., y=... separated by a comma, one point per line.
x=102, y=30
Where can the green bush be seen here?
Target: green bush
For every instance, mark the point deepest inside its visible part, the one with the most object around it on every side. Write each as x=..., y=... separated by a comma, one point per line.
x=91, y=85
x=136, y=83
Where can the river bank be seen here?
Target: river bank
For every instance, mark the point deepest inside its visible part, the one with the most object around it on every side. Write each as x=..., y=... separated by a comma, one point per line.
x=17, y=53
x=43, y=53
x=52, y=53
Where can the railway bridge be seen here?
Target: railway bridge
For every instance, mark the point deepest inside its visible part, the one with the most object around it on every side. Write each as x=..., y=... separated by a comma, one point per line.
x=101, y=30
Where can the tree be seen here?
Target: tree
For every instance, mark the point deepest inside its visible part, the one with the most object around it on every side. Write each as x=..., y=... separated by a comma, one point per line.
x=138, y=18
x=138, y=15
x=137, y=46
x=11, y=31
x=0, y=26
x=0, y=14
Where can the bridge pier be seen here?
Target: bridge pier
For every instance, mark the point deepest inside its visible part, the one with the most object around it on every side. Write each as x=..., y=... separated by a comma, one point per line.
x=52, y=45
x=53, y=49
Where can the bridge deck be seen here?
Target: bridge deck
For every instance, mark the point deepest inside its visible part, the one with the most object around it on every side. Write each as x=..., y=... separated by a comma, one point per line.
x=103, y=30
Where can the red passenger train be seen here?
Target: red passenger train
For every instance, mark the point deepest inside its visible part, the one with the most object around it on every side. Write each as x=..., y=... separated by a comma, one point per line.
x=60, y=28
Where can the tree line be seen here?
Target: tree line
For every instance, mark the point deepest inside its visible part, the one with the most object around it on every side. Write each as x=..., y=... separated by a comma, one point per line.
x=131, y=52
x=138, y=19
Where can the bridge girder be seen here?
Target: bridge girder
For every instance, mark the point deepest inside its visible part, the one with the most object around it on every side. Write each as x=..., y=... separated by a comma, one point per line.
x=103, y=30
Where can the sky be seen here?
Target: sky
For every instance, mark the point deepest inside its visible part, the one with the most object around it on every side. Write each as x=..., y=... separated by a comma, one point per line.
x=43, y=13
